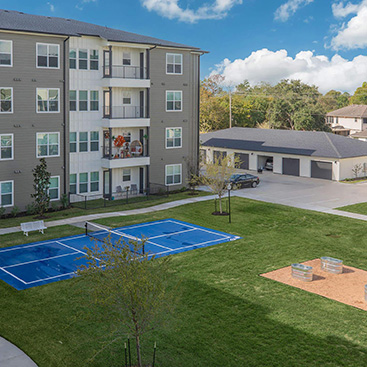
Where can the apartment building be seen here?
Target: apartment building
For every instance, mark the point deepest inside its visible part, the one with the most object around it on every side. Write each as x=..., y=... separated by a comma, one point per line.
x=108, y=109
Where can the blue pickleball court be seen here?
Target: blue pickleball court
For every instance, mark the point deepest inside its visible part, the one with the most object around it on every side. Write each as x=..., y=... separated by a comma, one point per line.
x=39, y=263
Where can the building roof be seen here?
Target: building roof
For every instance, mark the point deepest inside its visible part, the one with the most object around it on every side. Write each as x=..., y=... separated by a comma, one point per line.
x=21, y=22
x=354, y=110
x=360, y=134
x=306, y=143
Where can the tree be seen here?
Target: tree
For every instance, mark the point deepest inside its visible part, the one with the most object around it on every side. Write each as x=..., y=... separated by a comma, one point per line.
x=360, y=95
x=334, y=100
x=217, y=174
x=128, y=286
x=41, y=185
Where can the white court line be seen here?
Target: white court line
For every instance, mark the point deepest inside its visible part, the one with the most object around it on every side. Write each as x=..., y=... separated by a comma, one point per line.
x=14, y=276
x=56, y=276
x=201, y=229
x=73, y=248
x=148, y=224
x=35, y=261
x=173, y=233
x=37, y=244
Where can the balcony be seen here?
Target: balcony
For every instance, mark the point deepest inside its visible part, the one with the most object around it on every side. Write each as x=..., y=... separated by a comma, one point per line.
x=125, y=76
x=125, y=116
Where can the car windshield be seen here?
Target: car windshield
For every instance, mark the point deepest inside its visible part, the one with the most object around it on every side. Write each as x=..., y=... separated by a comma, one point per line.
x=234, y=177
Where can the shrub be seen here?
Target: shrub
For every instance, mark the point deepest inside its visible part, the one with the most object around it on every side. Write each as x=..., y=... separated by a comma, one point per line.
x=2, y=211
x=30, y=209
x=64, y=201
x=15, y=211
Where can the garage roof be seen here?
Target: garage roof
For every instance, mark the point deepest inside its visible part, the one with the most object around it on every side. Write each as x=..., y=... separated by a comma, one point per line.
x=19, y=21
x=305, y=143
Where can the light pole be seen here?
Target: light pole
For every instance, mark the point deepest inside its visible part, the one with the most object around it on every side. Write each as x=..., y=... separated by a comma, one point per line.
x=229, y=188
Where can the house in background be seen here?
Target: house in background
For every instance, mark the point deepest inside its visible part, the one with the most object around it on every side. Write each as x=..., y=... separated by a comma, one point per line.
x=348, y=120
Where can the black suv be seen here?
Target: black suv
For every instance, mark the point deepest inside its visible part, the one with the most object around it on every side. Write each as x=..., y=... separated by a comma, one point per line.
x=240, y=181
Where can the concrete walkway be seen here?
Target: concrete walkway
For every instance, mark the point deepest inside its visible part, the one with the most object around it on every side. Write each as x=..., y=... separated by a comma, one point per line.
x=12, y=356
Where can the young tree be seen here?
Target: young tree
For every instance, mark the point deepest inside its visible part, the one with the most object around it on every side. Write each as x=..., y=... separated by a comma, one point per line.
x=41, y=186
x=217, y=174
x=360, y=95
x=129, y=286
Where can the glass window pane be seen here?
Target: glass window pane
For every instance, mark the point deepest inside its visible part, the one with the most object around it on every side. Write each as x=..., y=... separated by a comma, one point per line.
x=53, y=50
x=6, y=199
x=178, y=96
x=170, y=59
x=177, y=169
x=53, y=94
x=83, y=177
x=178, y=106
x=5, y=46
x=5, y=59
x=94, y=176
x=42, y=150
x=178, y=59
x=72, y=95
x=83, y=136
x=72, y=53
x=42, y=94
x=6, y=187
x=53, y=138
x=94, y=54
x=54, y=182
x=83, y=54
x=83, y=95
x=42, y=138
x=42, y=50
x=169, y=170
x=169, y=180
x=53, y=150
x=42, y=61
x=169, y=106
x=94, y=135
x=72, y=178
x=170, y=96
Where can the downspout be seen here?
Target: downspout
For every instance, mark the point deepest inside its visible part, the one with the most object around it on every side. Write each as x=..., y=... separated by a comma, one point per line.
x=198, y=142
x=65, y=109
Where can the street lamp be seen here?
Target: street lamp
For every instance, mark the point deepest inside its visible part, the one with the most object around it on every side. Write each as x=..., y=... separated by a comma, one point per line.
x=229, y=188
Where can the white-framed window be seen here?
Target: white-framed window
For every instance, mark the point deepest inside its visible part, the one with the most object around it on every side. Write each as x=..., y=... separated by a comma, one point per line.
x=6, y=53
x=126, y=98
x=93, y=60
x=94, y=181
x=48, y=100
x=73, y=100
x=83, y=100
x=72, y=183
x=94, y=100
x=73, y=142
x=126, y=175
x=174, y=64
x=83, y=182
x=48, y=55
x=83, y=141
x=6, y=147
x=173, y=137
x=54, y=188
x=173, y=100
x=173, y=174
x=6, y=100
x=126, y=58
x=72, y=58
x=6, y=193
x=48, y=145
x=94, y=141
x=83, y=59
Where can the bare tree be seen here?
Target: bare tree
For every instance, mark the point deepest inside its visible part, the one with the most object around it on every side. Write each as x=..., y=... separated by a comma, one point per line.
x=357, y=168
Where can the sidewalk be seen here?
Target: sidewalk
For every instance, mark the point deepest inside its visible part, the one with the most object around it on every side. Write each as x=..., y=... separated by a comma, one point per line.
x=90, y=217
x=12, y=356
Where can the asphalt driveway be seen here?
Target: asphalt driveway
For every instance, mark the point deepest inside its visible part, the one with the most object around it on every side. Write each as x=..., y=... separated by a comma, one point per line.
x=306, y=193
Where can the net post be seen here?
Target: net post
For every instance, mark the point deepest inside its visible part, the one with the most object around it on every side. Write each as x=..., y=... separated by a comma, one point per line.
x=86, y=228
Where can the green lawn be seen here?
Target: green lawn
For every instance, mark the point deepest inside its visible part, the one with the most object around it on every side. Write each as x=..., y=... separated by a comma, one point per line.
x=75, y=212
x=227, y=314
x=360, y=208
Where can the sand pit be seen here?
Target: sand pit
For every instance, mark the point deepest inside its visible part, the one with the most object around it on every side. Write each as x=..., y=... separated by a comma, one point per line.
x=347, y=287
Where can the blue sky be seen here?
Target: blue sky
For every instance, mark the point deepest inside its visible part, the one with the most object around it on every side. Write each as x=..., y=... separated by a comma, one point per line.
x=321, y=42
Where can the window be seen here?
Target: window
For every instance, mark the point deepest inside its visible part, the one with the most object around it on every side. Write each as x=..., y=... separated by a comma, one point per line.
x=94, y=181
x=174, y=137
x=47, y=145
x=6, y=53
x=72, y=59
x=173, y=174
x=173, y=100
x=174, y=64
x=93, y=62
x=47, y=100
x=127, y=137
x=53, y=190
x=72, y=99
x=72, y=181
x=83, y=59
x=6, y=193
x=126, y=99
x=83, y=100
x=72, y=142
x=48, y=55
x=6, y=146
x=126, y=175
x=94, y=100
x=83, y=182
x=94, y=141
x=6, y=100
x=126, y=58
x=83, y=142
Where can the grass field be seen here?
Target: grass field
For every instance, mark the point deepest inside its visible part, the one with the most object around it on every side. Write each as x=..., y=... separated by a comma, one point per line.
x=360, y=208
x=227, y=314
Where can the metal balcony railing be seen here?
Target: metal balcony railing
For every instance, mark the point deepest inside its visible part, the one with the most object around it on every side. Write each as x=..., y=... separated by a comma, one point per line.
x=125, y=112
x=125, y=152
x=125, y=72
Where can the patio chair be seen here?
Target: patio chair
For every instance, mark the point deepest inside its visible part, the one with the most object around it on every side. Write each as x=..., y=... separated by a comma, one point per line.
x=134, y=189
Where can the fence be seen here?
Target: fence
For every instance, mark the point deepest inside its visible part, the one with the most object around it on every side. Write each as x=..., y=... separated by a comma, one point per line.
x=127, y=196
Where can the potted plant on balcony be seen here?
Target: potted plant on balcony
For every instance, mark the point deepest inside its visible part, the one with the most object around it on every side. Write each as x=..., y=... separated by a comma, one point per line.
x=118, y=143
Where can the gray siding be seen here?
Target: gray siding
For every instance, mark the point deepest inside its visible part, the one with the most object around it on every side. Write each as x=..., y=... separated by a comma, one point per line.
x=24, y=123
x=160, y=119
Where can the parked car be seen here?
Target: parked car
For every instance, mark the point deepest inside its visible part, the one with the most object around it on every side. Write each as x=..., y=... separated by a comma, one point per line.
x=269, y=164
x=240, y=181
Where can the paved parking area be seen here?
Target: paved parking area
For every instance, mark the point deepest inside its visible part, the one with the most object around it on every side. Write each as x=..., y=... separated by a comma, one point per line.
x=306, y=193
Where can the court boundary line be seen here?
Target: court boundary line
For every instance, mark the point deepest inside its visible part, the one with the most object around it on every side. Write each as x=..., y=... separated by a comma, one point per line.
x=14, y=276
x=56, y=276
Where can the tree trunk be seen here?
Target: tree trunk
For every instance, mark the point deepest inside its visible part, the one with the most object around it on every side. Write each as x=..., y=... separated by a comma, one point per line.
x=220, y=204
x=138, y=352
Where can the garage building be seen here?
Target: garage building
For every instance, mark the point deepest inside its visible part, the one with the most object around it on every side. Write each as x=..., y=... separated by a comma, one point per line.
x=297, y=153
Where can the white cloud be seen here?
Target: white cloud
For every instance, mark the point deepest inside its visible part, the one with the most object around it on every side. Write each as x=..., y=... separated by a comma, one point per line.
x=172, y=10
x=80, y=5
x=285, y=11
x=353, y=34
x=341, y=11
x=52, y=7
x=268, y=66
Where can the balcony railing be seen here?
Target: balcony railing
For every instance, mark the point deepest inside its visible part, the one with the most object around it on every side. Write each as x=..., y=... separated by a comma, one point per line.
x=125, y=152
x=125, y=112
x=125, y=72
